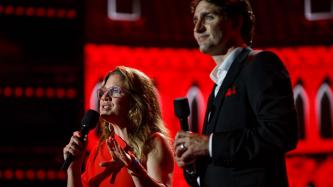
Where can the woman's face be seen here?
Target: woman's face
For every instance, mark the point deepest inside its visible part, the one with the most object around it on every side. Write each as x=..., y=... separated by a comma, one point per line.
x=114, y=101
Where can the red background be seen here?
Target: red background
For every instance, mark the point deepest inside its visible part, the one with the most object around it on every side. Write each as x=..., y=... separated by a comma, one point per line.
x=174, y=72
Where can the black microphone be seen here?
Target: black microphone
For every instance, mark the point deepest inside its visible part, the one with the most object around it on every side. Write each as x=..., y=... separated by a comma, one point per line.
x=182, y=111
x=88, y=122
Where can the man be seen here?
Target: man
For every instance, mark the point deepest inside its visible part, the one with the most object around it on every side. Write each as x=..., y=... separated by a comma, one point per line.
x=250, y=120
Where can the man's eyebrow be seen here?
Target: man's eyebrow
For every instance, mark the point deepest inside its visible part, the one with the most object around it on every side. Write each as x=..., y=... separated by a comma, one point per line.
x=202, y=14
x=216, y=12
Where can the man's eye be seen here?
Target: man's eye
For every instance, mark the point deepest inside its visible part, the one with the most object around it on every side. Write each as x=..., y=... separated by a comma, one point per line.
x=209, y=17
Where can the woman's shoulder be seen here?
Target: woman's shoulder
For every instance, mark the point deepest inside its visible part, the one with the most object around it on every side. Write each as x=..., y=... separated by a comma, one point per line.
x=158, y=138
x=158, y=135
x=160, y=144
x=160, y=154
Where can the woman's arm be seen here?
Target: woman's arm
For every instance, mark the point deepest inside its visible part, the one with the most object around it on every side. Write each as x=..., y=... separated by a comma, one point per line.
x=74, y=178
x=76, y=148
x=160, y=164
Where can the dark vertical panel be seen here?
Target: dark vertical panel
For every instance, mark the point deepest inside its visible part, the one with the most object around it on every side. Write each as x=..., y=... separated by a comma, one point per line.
x=300, y=117
x=325, y=117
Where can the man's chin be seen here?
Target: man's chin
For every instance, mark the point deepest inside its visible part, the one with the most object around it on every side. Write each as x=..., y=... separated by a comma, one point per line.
x=210, y=50
x=204, y=48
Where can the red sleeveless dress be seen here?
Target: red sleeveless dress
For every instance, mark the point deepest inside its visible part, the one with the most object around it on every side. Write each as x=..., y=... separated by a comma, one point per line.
x=97, y=176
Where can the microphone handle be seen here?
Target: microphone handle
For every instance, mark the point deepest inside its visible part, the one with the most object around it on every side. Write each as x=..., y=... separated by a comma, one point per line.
x=190, y=169
x=183, y=124
x=67, y=162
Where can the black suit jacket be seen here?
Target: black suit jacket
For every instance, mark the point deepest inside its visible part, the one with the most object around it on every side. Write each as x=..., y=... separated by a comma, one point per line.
x=254, y=123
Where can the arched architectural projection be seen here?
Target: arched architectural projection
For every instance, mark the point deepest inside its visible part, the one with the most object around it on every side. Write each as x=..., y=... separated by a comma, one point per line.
x=302, y=107
x=133, y=15
x=324, y=105
x=93, y=100
x=314, y=15
x=197, y=108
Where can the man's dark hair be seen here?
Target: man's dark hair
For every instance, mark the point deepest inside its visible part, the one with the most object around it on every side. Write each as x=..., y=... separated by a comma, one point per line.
x=234, y=8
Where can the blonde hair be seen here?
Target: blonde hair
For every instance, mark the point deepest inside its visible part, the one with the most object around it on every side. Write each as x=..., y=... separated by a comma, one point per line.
x=144, y=114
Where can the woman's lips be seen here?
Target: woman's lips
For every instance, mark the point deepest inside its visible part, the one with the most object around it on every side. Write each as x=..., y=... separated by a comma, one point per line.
x=106, y=106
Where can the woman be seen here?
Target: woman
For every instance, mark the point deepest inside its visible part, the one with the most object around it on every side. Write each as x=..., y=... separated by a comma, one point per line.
x=133, y=149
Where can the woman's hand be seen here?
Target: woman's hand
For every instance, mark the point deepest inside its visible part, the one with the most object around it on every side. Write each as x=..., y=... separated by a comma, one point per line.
x=76, y=148
x=118, y=153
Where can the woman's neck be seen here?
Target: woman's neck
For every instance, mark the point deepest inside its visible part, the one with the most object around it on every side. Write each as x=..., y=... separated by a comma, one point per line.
x=121, y=131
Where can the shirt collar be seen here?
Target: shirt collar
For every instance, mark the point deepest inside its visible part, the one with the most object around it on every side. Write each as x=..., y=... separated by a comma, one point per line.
x=225, y=65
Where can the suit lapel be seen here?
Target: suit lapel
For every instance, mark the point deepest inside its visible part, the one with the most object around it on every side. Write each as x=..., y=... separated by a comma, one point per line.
x=209, y=110
x=228, y=80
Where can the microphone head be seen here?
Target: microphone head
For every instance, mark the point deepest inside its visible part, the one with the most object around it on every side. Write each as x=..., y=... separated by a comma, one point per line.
x=89, y=120
x=181, y=107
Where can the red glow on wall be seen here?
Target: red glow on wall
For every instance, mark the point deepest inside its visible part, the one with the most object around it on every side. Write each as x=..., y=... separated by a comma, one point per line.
x=30, y=11
x=18, y=92
x=39, y=92
x=19, y=174
x=19, y=11
x=71, y=13
x=9, y=9
x=51, y=175
x=61, y=175
x=71, y=93
x=51, y=12
x=8, y=174
x=50, y=92
x=29, y=91
x=175, y=70
x=41, y=175
x=61, y=13
x=8, y=91
x=60, y=92
x=30, y=174
x=38, y=11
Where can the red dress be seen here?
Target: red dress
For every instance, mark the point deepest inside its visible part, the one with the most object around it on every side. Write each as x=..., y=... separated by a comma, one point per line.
x=97, y=176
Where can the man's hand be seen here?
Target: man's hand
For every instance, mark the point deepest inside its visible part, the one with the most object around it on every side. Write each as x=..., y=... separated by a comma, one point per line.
x=189, y=146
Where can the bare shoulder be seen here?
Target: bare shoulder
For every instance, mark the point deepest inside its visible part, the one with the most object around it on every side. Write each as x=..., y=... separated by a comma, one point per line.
x=160, y=163
x=159, y=141
x=161, y=147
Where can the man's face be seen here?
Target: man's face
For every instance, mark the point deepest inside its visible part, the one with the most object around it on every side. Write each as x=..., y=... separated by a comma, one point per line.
x=212, y=32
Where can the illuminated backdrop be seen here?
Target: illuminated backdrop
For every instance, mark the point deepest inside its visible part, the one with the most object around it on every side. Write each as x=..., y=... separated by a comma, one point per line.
x=177, y=71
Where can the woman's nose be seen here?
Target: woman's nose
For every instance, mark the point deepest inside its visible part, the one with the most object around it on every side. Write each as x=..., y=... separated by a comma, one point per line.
x=106, y=97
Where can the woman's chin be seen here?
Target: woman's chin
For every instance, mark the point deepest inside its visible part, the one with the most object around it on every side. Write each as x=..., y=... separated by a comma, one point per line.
x=109, y=116
x=105, y=112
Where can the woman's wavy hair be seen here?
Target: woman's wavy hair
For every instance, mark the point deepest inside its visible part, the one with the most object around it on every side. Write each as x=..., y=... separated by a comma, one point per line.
x=233, y=8
x=144, y=115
